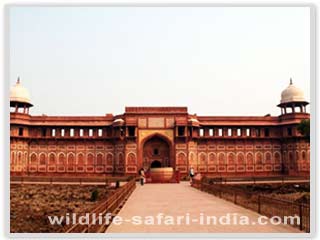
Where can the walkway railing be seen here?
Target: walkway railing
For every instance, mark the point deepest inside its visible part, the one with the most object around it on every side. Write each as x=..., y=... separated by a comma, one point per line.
x=66, y=180
x=258, y=179
x=266, y=206
x=112, y=204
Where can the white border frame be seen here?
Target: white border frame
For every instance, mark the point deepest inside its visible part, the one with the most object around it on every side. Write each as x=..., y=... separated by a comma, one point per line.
x=313, y=135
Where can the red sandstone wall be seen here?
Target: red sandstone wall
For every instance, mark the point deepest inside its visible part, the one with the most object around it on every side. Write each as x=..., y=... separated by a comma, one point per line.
x=243, y=157
x=116, y=152
x=63, y=157
x=213, y=157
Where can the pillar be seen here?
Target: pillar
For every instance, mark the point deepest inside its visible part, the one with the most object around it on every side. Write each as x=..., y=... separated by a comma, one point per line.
x=243, y=132
x=234, y=132
x=225, y=132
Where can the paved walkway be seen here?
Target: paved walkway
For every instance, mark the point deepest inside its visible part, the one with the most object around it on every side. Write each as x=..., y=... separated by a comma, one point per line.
x=178, y=200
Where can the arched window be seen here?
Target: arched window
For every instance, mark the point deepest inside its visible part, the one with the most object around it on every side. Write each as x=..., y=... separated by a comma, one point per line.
x=222, y=160
x=52, y=158
x=192, y=158
x=202, y=159
x=20, y=158
x=99, y=159
x=90, y=159
x=13, y=158
x=258, y=158
x=303, y=155
x=81, y=159
x=43, y=159
x=212, y=158
x=131, y=159
x=268, y=157
x=61, y=159
x=71, y=160
x=33, y=158
x=109, y=159
x=231, y=159
x=240, y=158
x=277, y=157
x=249, y=159
x=180, y=158
x=25, y=158
x=297, y=155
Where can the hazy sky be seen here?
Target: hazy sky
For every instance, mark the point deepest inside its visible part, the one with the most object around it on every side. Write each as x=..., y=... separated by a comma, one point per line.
x=214, y=60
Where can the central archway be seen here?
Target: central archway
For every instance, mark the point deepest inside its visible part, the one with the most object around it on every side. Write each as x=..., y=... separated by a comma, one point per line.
x=155, y=164
x=156, y=152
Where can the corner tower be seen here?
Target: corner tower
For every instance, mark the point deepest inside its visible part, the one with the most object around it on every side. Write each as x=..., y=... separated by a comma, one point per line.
x=292, y=100
x=19, y=99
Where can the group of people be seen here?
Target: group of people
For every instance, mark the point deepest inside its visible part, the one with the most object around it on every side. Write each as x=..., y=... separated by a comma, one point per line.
x=143, y=176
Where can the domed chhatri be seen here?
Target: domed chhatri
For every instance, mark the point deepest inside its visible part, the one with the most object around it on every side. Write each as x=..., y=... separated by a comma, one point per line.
x=193, y=121
x=20, y=94
x=119, y=120
x=292, y=94
x=20, y=98
x=292, y=100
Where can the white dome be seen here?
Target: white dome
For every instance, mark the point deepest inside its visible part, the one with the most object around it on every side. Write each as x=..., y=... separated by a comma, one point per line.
x=18, y=93
x=193, y=120
x=292, y=94
x=119, y=120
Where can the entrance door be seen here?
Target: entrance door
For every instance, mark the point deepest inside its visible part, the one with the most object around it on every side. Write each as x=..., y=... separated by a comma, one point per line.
x=156, y=153
x=155, y=164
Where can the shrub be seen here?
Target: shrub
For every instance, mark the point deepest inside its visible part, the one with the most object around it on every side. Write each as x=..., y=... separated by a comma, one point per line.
x=304, y=127
x=94, y=195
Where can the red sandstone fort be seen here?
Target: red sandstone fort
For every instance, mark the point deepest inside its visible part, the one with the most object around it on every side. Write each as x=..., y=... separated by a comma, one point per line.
x=158, y=137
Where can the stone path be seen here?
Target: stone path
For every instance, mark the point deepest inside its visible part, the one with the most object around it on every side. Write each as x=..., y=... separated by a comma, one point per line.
x=179, y=200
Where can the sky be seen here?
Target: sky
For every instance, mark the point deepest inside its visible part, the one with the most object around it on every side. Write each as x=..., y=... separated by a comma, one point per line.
x=219, y=61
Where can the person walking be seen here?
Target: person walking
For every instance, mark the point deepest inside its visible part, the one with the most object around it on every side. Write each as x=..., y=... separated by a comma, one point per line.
x=142, y=176
x=191, y=174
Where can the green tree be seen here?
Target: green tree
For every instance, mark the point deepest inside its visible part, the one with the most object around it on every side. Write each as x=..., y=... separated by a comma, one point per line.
x=304, y=127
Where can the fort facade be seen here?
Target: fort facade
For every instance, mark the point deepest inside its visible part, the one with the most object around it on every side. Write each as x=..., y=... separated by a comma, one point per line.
x=159, y=137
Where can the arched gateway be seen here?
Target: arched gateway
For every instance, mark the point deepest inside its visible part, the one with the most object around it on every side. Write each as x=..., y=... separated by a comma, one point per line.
x=156, y=152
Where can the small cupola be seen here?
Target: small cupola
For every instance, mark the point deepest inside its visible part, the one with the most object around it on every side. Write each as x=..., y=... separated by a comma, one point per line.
x=292, y=100
x=20, y=98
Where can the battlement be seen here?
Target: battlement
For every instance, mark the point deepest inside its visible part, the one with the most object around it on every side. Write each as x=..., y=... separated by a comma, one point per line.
x=163, y=110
